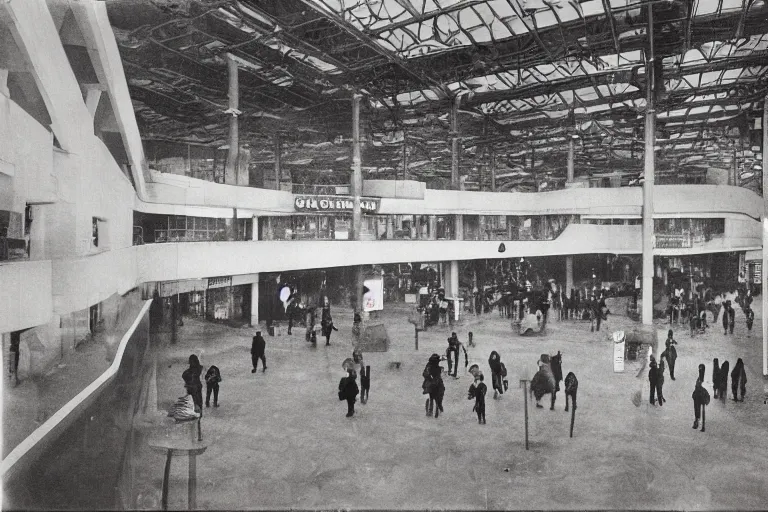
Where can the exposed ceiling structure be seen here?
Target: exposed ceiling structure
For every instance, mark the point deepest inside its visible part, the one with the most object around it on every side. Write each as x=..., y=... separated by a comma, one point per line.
x=530, y=73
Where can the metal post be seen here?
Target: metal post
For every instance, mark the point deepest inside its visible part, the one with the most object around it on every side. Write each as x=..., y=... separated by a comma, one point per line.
x=455, y=149
x=571, y=173
x=525, y=397
x=764, y=278
x=405, y=154
x=230, y=169
x=416, y=330
x=650, y=166
x=192, y=489
x=278, y=161
x=493, y=168
x=357, y=190
x=166, y=478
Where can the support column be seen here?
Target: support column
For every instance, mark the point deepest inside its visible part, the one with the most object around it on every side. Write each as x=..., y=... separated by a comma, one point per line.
x=650, y=167
x=390, y=227
x=230, y=169
x=568, y=274
x=254, y=228
x=255, y=302
x=455, y=149
x=278, y=161
x=433, y=227
x=453, y=281
x=764, y=278
x=405, y=154
x=571, y=145
x=357, y=190
x=492, y=165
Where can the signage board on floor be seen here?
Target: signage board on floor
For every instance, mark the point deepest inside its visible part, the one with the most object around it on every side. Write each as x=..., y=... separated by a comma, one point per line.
x=619, y=342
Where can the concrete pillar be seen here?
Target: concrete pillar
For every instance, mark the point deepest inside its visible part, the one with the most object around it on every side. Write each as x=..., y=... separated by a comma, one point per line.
x=254, y=228
x=568, y=274
x=230, y=169
x=255, y=302
x=764, y=296
x=650, y=167
x=571, y=144
x=278, y=161
x=390, y=227
x=405, y=154
x=357, y=190
x=452, y=288
x=433, y=227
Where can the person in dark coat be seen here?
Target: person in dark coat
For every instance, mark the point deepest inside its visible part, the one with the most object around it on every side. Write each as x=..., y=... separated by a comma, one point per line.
x=257, y=352
x=739, y=381
x=700, y=400
x=212, y=379
x=496, y=374
x=556, y=362
x=348, y=391
x=653, y=380
x=660, y=383
x=715, y=377
x=670, y=353
x=702, y=370
x=750, y=316
x=433, y=385
x=328, y=328
x=477, y=390
x=192, y=380
x=726, y=316
x=543, y=382
x=722, y=381
x=731, y=318
x=454, y=345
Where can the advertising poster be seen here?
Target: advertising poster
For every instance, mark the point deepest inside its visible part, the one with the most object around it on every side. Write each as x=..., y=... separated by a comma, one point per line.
x=373, y=300
x=619, y=341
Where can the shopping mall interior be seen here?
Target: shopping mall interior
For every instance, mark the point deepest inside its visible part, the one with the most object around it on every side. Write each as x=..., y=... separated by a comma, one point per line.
x=561, y=182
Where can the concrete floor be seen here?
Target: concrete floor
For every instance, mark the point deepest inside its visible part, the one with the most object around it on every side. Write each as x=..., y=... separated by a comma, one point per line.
x=281, y=440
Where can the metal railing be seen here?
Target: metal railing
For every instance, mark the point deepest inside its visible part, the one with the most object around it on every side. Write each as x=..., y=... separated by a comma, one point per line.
x=189, y=235
x=674, y=241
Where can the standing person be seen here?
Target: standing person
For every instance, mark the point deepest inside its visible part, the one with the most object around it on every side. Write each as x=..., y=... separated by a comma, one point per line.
x=192, y=380
x=328, y=329
x=258, y=347
x=477, y=391
x=653, y=379
x=290, y=312
x=700, y=400
x=15, y=350
x=726, y=316
x=470, y=341
x=722, y=381
x=601, y=311
x=348, y=391
x=453, y=350
x=660, y=383
x=670, y=353
x=212, y=379
x=433, y=385
x=365, y=377
x=715, y=376
x=496, y=374
x=731, y=318
x=738, y=381
x=750, y=316
x=702, y=370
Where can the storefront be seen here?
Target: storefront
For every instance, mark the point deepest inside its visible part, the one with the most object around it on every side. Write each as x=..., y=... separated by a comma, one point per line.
x=225, y=298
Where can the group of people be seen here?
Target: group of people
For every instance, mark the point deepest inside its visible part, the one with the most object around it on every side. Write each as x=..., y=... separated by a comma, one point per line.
x=190, y=405
x=700, y=395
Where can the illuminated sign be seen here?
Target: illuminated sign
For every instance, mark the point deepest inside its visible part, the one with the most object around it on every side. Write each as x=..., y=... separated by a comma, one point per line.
x=333, y=204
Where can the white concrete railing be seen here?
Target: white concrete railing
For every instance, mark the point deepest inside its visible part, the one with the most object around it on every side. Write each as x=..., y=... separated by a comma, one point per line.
x=49, y=430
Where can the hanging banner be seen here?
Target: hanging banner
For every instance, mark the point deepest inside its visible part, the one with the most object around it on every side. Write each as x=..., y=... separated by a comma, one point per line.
x=619, y=342
x=373, y=300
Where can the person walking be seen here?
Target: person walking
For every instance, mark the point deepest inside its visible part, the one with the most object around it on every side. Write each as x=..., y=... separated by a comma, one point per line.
x=453, y=350
x=726, y=316
x=702, y=371
x=739, y=381
x=670, y=353
x=212, y=379
x=653, y=379
x=700, y=400
x=496, y=374
x=715, y=377
x=192, y=380
x=258, y=348
x=731, y=318
x=328, y=329
x=750, y=317
x=722, y=381
x=348, y=391
x=433, y=385
x=660, y=383
x=477, y=390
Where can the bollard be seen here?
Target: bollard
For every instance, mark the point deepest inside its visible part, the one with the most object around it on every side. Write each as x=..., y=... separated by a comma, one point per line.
x=416, y=331
x=525, y=397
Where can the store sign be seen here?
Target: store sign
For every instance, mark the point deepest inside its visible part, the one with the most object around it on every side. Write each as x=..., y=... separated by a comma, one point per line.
x=219, y=282
x=373, y=300
x=333, y=204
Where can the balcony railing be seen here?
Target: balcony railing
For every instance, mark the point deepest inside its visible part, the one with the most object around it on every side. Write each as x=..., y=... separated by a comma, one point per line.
x=320, y=190
x=189, y=235
x=674, y=241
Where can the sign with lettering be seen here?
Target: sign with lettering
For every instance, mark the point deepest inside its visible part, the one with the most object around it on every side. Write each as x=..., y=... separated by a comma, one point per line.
x=334, y=204
x=219, y=282
x=619, y=341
